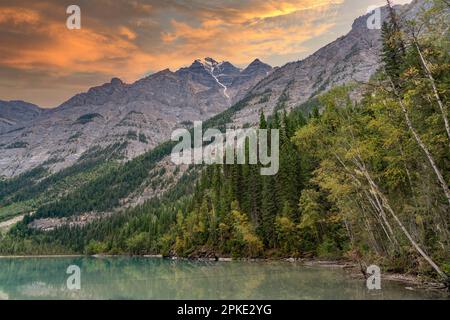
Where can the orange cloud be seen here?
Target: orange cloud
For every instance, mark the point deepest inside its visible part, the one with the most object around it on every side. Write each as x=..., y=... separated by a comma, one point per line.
x=16, y=16
x=68, y=51
x=126, y=32
x=273, y=28
x=238, y=34
x=271, y=9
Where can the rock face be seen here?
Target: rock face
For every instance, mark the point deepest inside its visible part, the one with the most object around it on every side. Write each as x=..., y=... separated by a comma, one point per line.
x=249, y=78
x=16, y=113
x=126, y=119
x=353, y=57
x=130, y=119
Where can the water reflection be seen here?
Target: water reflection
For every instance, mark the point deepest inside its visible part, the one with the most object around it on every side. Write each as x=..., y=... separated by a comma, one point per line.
x=145, y=278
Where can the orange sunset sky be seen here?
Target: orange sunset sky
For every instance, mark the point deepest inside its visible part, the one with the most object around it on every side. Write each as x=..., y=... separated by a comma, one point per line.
x=43, y=62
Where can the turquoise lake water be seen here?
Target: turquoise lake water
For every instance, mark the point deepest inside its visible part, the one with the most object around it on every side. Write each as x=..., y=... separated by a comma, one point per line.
x=153, y=278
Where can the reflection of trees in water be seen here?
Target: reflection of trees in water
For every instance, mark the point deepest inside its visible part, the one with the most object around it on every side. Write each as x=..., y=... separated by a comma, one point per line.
x=127, y=278
x=181, y=279
x=217, y=280
x=143, y=278
x=36, y=278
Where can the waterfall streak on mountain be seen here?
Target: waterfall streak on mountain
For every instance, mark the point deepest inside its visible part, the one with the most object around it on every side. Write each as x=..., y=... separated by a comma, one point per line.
x=219, y=83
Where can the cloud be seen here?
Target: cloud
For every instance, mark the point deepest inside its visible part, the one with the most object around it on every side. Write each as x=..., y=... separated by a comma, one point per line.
x=274, y=28
x=126, y=32
x=64, y=51
x=17, y=16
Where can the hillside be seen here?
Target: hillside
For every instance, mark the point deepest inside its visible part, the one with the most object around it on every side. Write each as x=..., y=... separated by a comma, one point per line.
x=14, y=114
x=353, y=57
x=130, y=119
x=125, y=119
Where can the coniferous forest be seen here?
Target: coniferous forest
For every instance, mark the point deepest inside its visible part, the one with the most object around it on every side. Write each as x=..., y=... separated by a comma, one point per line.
x=364, y=175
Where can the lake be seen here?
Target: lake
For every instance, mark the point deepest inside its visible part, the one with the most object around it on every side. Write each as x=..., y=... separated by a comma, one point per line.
x=154, y=278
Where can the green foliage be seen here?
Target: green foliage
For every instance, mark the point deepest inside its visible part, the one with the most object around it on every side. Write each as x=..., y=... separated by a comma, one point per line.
x=17, y=145
x=105, y=192
x=352, y=181
x=143, y=138
x=8, y=187
x=86, y=118
x=95, y=247
x=12, y=210
x=132, y=135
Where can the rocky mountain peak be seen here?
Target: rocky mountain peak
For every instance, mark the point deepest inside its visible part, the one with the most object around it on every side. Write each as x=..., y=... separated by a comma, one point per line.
x=16, y=112
x=257, y=66
x=226, y=68
x=116, y=112
x=19, y=104
x=209, y=63
x=97, y=95
x=116, y=82
x=153, y=106
x=213, y=66
x=198, y=66
x=165, y=72
x=256, y=62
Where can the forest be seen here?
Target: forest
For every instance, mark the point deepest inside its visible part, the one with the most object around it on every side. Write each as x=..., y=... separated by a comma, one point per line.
x=365, y=179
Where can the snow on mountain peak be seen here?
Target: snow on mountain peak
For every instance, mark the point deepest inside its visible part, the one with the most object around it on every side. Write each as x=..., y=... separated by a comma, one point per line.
x=208, y=63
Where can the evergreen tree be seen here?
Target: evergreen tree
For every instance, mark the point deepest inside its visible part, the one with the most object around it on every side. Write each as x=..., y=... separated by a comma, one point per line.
x=262, y=120
x=393, y=47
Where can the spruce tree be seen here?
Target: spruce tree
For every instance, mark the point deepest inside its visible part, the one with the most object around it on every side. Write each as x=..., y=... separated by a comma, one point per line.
x=393, y=49
x=262, y=120
x=268, y=211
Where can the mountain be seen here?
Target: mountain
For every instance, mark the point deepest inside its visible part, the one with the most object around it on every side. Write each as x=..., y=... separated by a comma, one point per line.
x=248, y=78
x=130, y=119
x=126, y=119
x=353, y=57
x=234, y=82
x=16, y=113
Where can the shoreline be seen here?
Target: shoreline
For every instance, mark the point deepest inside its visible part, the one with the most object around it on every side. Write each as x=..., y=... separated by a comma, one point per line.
x=43, y=256
x=350, y=267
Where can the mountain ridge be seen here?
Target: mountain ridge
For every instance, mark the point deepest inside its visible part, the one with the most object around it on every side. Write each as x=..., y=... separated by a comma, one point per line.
x=260, y=97
x=149, y=109
x=15, y=112
x=176, y=99
x=353, y=57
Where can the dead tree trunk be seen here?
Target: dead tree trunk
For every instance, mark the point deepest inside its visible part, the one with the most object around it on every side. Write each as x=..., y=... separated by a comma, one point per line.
x=422, y=145
x=386, y=204
x=427, y=71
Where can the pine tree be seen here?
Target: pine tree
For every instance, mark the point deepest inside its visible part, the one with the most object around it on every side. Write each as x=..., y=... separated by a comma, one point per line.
x=276, y=122
x=254, y=190
x=262, y=120
x=268, y=211
x=393, y=51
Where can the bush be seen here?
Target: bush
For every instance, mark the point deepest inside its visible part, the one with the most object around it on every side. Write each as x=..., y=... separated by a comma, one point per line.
x=328, y=249
x=95, y=247
x=245, y=241
x=138, y=243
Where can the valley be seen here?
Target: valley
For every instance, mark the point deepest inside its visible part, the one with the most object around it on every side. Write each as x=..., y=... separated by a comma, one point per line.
x=363, y=152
